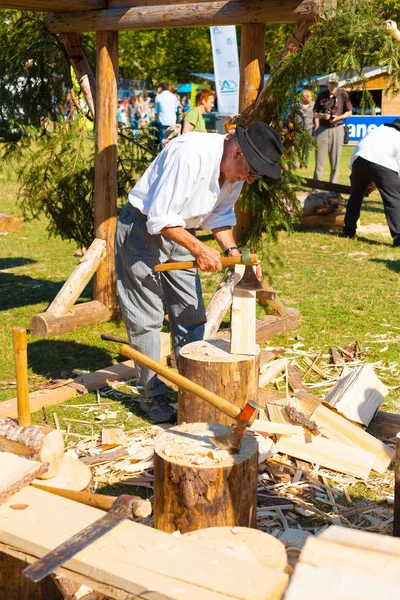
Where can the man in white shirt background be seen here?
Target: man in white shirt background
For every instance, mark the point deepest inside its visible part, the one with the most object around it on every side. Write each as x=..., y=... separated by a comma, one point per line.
x=165, y=109
x=195, y=181
x=376, y=159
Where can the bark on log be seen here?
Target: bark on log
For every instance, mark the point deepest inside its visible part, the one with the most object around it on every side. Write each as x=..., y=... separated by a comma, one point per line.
x=78, y=280
x=231, y=376
x=47, y=444
x=83, y=71
x=105, y=179
x=201, y=14
x=270, y=326
x=219, y=304
x=82, y=315
x=197, y=485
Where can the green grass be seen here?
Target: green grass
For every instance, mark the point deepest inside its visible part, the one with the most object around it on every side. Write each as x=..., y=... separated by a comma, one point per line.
x=345, y=290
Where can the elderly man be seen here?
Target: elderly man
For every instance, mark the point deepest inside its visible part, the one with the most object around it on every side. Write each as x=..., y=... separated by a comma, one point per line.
x=330, y=108
x=376, y=159
x=195, y=181
x=307, y=121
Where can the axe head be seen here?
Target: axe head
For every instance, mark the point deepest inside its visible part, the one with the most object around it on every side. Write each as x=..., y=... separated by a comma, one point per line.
x=249, y=281
x=232, y=440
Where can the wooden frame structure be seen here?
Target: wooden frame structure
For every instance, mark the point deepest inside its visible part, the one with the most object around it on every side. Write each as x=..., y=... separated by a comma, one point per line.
x=107, y=17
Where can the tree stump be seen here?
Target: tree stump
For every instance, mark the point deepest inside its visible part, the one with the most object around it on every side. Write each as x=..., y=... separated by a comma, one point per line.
x=197, y=485
x=234, y=377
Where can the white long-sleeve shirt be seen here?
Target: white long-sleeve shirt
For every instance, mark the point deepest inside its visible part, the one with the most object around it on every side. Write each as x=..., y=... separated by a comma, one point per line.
x=180, y=187
x=380, y=146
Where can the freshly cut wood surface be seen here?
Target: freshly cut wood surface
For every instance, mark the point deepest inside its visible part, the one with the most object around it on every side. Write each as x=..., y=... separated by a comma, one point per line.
x=243, y=318
x=328, y=453
x=47, y=443
x=73, y=475
x=219, y=304
x=100, y=378
x=265, y=396
x=197, y=485
x=271, y=325
x=335, y=427
x=272, y=370
x=244, y=543
x=270, y=428
x=358, y=394
x=133, y=557
x=233, y=377
x=333, y=221
x=81, y=315
x=17, y=472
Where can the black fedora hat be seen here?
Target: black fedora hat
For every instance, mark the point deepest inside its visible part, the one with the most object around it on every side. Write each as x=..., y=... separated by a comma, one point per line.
x=262, y=148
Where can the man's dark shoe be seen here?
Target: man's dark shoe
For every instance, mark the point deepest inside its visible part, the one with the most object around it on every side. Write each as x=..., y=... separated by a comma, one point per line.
x=396, y=241
x=158, y=409
x=348, y=234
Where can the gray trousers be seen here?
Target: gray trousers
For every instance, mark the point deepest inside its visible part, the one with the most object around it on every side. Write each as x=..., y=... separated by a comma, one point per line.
x=145, y=295
x=329, y=141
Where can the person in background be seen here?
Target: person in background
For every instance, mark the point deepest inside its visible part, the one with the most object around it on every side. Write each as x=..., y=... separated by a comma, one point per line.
x=54, y=110
x=134, y=116
x=121, y=115
x=307, y=118
x=185, y=105
x=165, y=111
x=69, y=108
x=330, y=108
x=193, y=120
x=376, y=159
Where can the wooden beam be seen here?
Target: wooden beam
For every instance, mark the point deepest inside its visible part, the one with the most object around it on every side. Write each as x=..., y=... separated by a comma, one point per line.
x=105, y=179
x=132, y=557
x=252, y=66
x=200, y=14
x=56, y=5
x=78, y=280
x=316, y=184
x=83, y=71
x=81, y=315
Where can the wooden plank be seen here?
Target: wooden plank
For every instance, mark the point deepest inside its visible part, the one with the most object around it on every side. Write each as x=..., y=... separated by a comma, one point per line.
x=133, y=557
x=358, y=395
x=225, y=12
x=264, y=396
x=277, y=413
x=38, y=399
x=335, y=427
x=271, y=428
x=295, y=380
x=17, y=472
x=385, y=424
x=362, y=539
x=100, y=378
x=272, y=371
x=8, y=223
x=329, y=454
x=243, y=318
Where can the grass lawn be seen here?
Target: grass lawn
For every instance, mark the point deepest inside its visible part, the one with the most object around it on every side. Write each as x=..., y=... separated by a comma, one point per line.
x=346, y=290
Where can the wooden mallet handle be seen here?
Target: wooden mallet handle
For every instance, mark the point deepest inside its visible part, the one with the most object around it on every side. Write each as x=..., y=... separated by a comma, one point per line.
x=21, y=374
x=190, y=264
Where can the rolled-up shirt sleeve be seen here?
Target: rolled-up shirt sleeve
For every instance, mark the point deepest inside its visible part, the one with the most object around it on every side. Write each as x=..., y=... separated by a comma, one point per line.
x=223, y=214
x=171, y=189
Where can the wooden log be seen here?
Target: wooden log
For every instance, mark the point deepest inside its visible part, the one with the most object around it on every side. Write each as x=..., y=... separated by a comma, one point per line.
x=8, y=223
x=243, y=319
x=16, y=473
x=78, y=280
x=385, y=424
x=275, y=304
x=219, y=304
x=47, y=443
x=197, y=485
x=322, y=204
x=14, y=586
x=333, y=221
x=396, y=507
x=358, y=394
x=231, y=376
x=335, y=427
x=105, y=178
x=21, y=371
x=83, y=71
x=57, y=5
x=225, y=12
x=252, y=65
x=264, y=396
x=243, y=542
x=328, y=186
x=81, y=315
x=270, y=326
x=73, y=475
x=133, y=558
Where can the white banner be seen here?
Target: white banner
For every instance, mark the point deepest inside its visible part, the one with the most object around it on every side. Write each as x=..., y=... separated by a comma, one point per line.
x=226, y=68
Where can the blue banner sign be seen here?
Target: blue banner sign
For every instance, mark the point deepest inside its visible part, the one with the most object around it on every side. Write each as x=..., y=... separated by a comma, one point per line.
x=361, y=125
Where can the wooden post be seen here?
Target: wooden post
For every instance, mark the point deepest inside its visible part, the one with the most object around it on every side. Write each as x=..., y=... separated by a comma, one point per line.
x=105, y=182
x=252, y=64
x=231, y=376
x=197, y=485
x=21, y=373
x=396, y=516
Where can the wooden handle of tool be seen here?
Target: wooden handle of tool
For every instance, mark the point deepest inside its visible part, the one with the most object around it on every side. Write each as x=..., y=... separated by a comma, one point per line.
x=142, y=508
x=223, y=405
x=190, y=264
x=21, y=374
